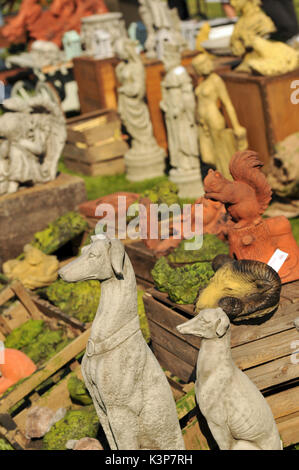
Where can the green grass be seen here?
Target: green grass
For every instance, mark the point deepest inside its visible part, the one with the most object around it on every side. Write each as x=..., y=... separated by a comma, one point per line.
x=98, y=186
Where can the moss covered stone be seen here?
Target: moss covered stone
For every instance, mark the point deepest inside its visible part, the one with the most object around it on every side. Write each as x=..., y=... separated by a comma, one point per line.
x=59, y=232
x=75, y=425
x=37, y=340
x=165, y=192
x=77, y=299
x=78, y=391
x=211, y=247
x=25, y=334
x=4, y=445
x=182, y=283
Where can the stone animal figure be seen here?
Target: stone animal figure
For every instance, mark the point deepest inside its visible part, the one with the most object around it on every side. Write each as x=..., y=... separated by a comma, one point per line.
x=248, y=196
x=244, y=289
x=128, y=387
x=236, y=412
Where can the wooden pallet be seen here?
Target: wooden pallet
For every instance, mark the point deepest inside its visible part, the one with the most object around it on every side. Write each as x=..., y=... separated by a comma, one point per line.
x=264, y=352
x=31, y=307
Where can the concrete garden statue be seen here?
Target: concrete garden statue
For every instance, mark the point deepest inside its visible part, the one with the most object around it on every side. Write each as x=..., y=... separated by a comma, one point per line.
x=32, y=138
x=178, y=104
x=217, y=142
x=145, y=159
x=130, y=391
x=236, y=412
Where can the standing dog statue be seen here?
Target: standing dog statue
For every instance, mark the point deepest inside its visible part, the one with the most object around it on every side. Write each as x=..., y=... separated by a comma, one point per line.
x=129, y=389
x=237, y=413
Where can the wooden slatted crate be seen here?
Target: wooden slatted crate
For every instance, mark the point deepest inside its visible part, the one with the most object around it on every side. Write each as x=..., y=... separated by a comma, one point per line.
x=31, y=307
x=264, y=352
x=95, y=145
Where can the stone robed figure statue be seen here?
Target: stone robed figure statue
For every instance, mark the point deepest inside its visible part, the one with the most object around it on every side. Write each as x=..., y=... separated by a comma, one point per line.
x=217, y=142
x=145, y=159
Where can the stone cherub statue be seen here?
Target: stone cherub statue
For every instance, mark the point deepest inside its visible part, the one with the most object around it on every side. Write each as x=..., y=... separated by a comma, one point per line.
x=178, y=103
x=162, y=24
x=217, y=142
x=145, y=159
x=130, y=391
x=236, y=412
x=253, y=20
x=32, y=137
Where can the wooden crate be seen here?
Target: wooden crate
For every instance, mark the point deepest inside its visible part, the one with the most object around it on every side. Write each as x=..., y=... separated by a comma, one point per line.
x=31, y=307
x=143, y=261
x=95, y=145
x=264, y=107
x=263, y=352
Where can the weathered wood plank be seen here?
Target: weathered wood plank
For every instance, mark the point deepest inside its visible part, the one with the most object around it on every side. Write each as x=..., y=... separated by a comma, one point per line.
x=171, y=362
x=288, y=427
x=284, y=403
x=274, y=373
x=24, y=297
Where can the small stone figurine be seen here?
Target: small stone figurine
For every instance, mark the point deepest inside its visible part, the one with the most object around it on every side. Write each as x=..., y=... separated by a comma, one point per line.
x=236, y=412
x=130, y=391
x=145, y=159
x=217, y=142
x=178, y=104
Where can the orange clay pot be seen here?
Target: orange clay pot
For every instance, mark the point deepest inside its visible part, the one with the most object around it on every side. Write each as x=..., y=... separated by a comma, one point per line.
x=17, y=366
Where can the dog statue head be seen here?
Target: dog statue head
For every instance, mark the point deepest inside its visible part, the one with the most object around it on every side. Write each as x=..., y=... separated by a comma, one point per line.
x=210, y=323
x=101, y=260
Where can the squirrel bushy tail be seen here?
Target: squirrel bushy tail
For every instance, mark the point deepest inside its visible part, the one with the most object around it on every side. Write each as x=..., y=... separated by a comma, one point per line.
x=246, y=167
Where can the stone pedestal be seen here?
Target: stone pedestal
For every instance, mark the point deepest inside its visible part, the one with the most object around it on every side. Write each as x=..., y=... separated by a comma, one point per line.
x=189, y=183
x=30, y=210
x=142, y=165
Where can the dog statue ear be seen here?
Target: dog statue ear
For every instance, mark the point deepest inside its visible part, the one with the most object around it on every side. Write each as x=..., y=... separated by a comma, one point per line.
x=223, y=324
x=117, y=258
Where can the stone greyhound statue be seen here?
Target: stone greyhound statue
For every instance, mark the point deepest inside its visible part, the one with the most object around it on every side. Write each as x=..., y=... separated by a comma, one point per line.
x=237, y=413
x=130, y=392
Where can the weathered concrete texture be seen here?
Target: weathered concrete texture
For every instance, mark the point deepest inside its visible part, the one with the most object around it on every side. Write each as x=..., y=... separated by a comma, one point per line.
x=30, y=210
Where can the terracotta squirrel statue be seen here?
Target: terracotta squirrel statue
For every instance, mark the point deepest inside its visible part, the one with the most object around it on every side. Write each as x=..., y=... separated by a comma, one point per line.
x=248, y=196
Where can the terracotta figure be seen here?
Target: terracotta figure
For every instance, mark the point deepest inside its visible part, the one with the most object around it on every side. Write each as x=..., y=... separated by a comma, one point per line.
x=246, y=199
x=129, y=389
x=217, y=142
x=178, y=104
x=237, y=414
x=145, y=159
x=16, y=366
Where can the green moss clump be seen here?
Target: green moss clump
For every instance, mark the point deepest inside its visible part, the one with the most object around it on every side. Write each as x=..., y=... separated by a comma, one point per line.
x=211, y=247
x=181, y=284
x=142, y=317
x=35, y=339
x=78, y=391
x=59, y=232
x=4, y=445
x=47, y=344
x=76, y=299
x=75, y=425
x=165, y=192
x=25, y=334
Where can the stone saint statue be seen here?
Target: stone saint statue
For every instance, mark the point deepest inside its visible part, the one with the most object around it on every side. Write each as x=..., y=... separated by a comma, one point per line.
x=32, y=138
x=217, y=142
x=145, y=159
x=179, y=105
x=162, y=24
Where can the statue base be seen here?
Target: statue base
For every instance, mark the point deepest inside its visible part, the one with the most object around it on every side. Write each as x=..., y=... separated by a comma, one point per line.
x=260, y=242
x=189, y=182
x=30, y=210
x=145, y=165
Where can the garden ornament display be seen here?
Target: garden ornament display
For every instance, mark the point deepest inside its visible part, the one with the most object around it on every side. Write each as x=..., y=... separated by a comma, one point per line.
x=35, y=270
x=246, y=198
x=236, y=412
x=162, y=25
x=217, y=142
x=253, y=20
x=244, y=289
x=130, y=391
x=145, y=159
x=178, y=104
x=32, y=138
x=16, y=366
